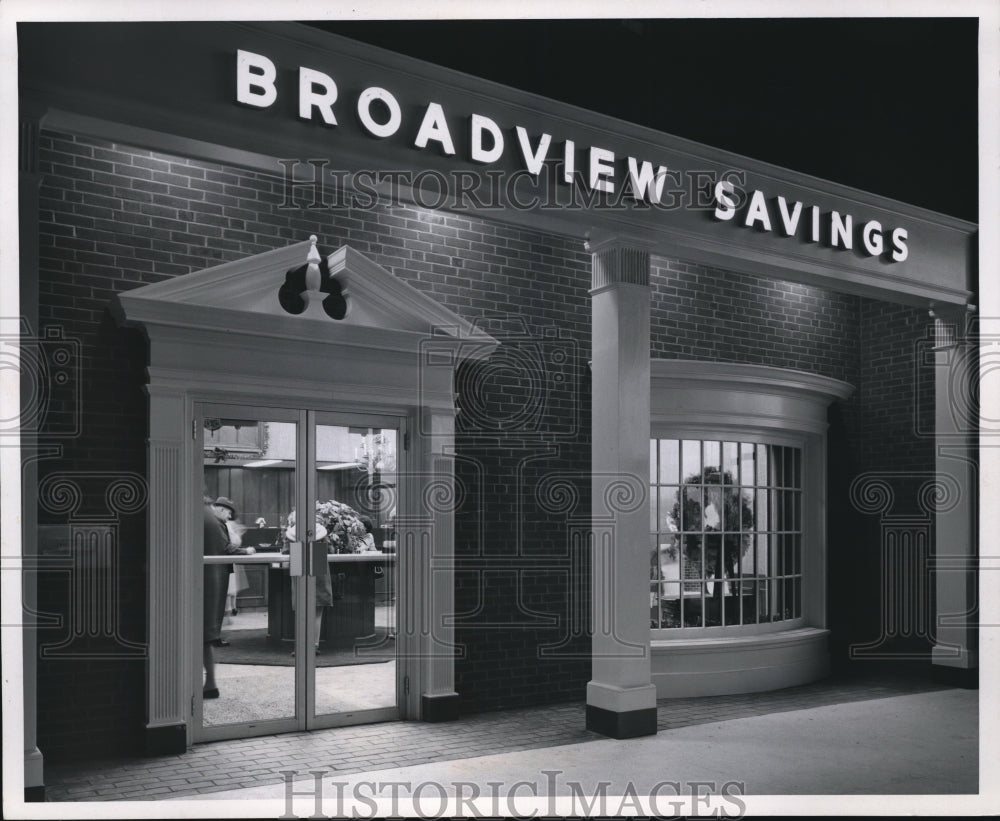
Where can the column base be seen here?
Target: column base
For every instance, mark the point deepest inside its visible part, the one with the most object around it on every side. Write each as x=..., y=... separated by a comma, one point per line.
x=168, y=740
x=629, y=724
x=34, y=795
x=965, y=677
x=949, y=655
x=439, y=708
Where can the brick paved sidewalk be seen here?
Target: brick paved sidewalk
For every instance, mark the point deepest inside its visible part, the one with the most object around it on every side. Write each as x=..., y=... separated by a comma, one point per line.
x=254, y=762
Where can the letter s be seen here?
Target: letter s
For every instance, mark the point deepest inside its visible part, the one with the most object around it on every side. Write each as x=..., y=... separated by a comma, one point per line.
x=726, y=209
x=735, y=796
x=899, y=250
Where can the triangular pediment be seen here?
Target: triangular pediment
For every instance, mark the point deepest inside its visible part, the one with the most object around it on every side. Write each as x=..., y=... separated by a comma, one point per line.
x=341, y=291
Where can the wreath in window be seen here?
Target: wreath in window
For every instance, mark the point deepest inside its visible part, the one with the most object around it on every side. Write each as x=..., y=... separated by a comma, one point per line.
x=710, y=506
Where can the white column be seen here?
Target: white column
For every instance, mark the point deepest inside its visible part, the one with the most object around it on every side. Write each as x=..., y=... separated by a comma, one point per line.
x=621, y=699
x=439, y=699
x=955, y=539
x=168, y=669
x=425, y=550
x=24, y=460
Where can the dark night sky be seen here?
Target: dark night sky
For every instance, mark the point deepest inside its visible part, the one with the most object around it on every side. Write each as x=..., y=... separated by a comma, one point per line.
x=884, y=105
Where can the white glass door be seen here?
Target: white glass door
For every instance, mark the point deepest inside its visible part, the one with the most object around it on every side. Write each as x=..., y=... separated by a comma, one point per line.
x=296, y=624
x=354, y=463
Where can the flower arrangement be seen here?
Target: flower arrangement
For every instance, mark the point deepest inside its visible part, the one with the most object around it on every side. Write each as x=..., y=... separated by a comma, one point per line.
x=344, y=529
x=345, y=532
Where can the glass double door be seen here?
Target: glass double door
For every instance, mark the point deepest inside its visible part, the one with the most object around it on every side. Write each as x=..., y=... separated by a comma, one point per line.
x=297, y=569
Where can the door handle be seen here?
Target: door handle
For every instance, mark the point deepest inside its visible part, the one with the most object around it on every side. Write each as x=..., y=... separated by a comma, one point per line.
x=295, y=559
x=317, y=554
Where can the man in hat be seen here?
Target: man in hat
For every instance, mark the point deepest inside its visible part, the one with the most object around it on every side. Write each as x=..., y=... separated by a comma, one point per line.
x=217, y=543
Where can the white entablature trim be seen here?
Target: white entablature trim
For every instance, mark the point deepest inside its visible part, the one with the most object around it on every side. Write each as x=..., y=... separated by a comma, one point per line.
x=242, y=296
x=297, y=391
x=733, y=395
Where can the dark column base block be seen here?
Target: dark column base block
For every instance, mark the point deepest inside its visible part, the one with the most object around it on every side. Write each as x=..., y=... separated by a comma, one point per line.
x=629, y=724
x=166, y=740
x=966, y=677
x=34, y=795
x=439, y=708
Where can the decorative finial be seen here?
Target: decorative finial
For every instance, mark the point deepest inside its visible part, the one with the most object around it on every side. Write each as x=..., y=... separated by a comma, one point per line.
x=313, y=276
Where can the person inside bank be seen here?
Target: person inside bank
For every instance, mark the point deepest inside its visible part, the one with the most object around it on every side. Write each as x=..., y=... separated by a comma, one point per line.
x=219, y=541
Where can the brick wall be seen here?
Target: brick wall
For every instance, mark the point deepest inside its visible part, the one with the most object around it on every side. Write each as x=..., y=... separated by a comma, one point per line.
x=896, y=401
x=720, y=316
x=113, y=218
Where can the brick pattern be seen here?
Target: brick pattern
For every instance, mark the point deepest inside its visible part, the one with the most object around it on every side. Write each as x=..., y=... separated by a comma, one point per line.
x=255, y=762
x=114, y=217
x=896, y=398
x=720, y=316
x=897, y=387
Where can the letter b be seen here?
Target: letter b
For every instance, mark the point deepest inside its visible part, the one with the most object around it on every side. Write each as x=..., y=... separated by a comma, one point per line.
x=255, y=76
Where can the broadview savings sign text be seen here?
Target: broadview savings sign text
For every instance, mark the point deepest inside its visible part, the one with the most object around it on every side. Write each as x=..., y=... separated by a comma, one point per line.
x=380, y=115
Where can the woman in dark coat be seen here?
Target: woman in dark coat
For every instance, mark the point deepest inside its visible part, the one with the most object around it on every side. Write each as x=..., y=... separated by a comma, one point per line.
x=217, y=543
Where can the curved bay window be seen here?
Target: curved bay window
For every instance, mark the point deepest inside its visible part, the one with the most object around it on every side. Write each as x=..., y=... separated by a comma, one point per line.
x=737, y=574
x=726, y=533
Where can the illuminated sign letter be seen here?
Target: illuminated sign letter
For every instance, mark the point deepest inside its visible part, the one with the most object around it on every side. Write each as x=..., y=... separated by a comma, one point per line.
x=644, y=183
x=726, y=208
x=365, y=100
x=815, y=224
x=600, y=167
x=871, y=237
x=789, y=222
x=310, y=98
x=533, y=159
x=569, y=161
x=480, y=154
x=435, y=127
x=255, y=76
x=757, y=212
x=899, y=249
x=840, y=230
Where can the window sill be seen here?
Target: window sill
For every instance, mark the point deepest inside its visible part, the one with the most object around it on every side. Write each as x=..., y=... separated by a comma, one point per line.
x=686, y=667
x=712, y=643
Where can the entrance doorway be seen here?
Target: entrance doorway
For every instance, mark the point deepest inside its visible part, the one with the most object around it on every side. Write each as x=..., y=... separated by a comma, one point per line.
x=298, y=612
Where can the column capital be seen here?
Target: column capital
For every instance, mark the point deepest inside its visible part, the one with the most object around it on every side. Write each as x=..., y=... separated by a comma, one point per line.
x=951, y=323
x=597, y=240
x=30, y=115
x=618, y=259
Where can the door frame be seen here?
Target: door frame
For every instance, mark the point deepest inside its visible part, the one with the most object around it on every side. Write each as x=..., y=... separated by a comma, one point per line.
x=220, y=335
x=305, y=718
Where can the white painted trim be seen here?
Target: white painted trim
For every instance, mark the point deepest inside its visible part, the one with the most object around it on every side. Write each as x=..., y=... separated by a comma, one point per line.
x=705, y=400
x=738, y=397
x=242, y=297
x=212, y=340
x=760, y=378
x=705, y=667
